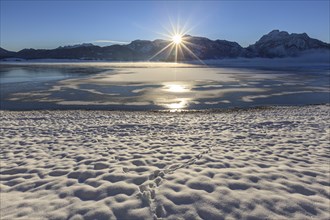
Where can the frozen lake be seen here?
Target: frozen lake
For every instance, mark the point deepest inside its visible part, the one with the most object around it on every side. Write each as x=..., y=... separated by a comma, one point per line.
x=157, y=86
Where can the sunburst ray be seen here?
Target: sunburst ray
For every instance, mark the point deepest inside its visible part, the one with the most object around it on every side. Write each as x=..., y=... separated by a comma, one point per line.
x=178, y=44
x=193, y=54
x=159, y=52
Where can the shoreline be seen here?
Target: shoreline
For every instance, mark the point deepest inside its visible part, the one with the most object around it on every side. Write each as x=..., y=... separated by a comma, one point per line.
x=215, y=110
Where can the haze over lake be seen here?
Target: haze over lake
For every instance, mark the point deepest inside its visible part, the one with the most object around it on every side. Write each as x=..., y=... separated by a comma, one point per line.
x=157, y=86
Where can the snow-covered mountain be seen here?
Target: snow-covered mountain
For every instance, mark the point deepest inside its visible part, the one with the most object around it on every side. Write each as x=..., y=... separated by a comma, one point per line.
x=205, y=48
x=76, y=46
x=4, y=52
x=274, y=44
x=282, y=44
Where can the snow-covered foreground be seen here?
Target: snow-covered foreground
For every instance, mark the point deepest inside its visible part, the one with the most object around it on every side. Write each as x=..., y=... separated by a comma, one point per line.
x=252, y=164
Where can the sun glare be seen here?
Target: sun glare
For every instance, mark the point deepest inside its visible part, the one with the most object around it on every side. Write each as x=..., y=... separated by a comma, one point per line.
x=177, y=39
x=178, y=46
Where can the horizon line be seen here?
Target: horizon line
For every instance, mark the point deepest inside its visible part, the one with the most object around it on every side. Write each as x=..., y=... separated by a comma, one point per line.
x=115, y=42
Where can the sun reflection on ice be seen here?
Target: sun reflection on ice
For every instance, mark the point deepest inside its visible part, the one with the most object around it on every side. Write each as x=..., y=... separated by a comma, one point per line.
x=176, y=88
x=178, y=104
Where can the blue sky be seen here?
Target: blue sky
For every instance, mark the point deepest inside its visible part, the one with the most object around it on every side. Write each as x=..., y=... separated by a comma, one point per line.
x=49, y=24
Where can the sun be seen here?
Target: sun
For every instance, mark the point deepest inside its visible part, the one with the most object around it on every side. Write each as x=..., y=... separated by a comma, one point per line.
x=178, y=46
x=177, y=39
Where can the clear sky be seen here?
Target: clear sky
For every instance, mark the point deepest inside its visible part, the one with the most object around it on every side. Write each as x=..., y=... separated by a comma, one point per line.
x=49, y=24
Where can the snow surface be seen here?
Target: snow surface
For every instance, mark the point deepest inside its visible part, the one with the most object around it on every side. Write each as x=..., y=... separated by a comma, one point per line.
x=241, y=164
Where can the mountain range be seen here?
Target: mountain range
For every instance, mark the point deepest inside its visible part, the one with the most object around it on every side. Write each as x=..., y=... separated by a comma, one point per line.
x=274, y=44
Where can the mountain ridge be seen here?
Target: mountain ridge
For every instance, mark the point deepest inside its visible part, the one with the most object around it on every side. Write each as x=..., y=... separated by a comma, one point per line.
x=274, y=44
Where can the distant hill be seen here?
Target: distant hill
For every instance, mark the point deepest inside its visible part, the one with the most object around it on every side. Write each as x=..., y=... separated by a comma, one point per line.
x=274, y=44
x=76, y=46
x=6, y=53
x=282, y=44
